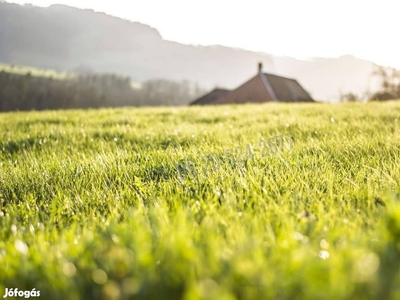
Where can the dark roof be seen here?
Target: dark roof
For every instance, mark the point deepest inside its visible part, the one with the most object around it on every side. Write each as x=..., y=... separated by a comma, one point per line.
x=262, y=88
x=210, y=97
x=286, y=89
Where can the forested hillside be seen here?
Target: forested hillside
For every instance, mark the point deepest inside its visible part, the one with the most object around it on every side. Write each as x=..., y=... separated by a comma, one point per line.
x=27, y=92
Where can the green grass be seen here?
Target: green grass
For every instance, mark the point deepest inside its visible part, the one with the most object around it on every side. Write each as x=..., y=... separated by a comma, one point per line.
x=24, y=70
x=93, y=208
x=47, y=73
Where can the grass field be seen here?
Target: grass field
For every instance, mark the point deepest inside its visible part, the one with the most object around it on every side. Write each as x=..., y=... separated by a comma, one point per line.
x=92, y=206
x=23, y=70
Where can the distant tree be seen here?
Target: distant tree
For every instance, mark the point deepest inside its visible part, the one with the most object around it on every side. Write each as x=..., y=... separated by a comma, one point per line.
x=167, y=92
x=349, y=97
x=390, y=84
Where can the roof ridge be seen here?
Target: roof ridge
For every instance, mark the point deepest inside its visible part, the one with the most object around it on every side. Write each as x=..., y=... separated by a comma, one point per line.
x=268, y=86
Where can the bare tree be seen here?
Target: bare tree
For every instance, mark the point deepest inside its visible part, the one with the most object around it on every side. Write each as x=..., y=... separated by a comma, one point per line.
x=390, y=84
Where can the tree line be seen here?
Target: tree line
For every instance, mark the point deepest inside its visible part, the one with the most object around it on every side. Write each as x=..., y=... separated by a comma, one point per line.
x=389, y=89
x=27, y=92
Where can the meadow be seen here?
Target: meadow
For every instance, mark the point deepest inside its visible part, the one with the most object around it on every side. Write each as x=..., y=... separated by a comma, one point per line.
x=92, y=205
x=36, y=72
x=46, y=73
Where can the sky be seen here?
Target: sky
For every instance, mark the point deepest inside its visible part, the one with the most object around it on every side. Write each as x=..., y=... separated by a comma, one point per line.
x=301, y=29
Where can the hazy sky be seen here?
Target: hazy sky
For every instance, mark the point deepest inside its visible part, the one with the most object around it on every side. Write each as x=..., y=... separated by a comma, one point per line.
x=326, y=28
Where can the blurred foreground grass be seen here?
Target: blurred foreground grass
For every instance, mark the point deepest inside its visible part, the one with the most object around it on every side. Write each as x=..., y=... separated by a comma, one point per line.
x=92, y=206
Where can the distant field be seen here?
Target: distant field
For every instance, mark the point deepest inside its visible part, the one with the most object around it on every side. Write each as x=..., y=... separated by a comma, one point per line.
x=23, y=70
x=93, y=207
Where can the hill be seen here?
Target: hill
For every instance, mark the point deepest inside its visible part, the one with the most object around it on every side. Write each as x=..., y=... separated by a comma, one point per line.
x=69, y=39
x=92, y=205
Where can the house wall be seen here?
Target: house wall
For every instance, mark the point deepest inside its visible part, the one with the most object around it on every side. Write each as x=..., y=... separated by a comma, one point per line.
x=252, y=91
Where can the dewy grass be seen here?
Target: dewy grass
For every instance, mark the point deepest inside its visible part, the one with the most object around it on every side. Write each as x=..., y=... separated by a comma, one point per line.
x=92, y=206
x=273, y=146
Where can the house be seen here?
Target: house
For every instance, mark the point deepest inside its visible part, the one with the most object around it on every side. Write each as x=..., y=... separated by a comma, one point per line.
x=262, y=88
